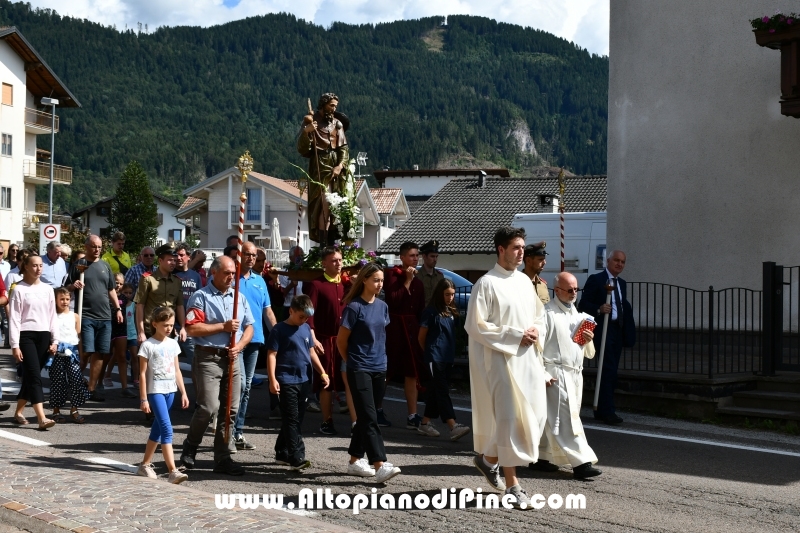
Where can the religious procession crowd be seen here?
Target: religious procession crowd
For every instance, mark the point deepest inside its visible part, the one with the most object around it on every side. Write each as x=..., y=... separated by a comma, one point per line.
x=330, y=343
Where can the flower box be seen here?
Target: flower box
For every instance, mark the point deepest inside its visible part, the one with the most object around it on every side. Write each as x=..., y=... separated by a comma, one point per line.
x=786, y=38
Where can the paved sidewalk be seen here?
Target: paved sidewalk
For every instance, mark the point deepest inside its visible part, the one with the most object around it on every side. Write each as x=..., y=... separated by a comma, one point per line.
x=62, y=492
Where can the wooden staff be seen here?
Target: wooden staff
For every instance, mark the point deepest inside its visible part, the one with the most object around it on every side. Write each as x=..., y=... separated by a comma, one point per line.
x=245, y=166
x=609, y=290
x=81, y=269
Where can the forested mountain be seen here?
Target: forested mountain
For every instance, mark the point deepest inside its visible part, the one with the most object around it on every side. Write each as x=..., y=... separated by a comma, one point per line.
x=187, y=101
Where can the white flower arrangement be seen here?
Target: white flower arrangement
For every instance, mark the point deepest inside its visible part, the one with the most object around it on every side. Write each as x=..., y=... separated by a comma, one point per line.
x=345, y=211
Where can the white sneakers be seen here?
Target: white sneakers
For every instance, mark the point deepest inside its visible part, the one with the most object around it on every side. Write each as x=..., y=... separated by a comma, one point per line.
x=360, y=468
x=428, y=429
x=386, y=472
x=176, y=477
x=146, y=470
x=458, y=431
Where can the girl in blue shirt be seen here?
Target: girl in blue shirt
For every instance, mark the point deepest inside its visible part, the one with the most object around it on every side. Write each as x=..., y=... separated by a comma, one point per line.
x=438, y=341
x=362, y=343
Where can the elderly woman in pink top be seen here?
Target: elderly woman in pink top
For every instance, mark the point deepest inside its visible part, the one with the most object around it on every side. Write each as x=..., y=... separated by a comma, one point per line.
x=32, y=328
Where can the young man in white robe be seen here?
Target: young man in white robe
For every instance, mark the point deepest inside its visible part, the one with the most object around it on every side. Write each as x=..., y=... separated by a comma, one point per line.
x=507, y=379
x=564, y=441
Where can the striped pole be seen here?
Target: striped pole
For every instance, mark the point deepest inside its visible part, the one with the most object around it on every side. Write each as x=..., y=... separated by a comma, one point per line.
x=299, y=219
x=245, y=165
x=242, y=204
x=562, y=185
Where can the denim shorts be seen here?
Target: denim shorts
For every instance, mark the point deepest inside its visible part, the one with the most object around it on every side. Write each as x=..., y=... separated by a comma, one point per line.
x=96, y=336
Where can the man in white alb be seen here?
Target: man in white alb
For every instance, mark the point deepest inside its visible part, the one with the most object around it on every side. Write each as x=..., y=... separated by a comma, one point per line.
x=507, y=378
x=564, y=440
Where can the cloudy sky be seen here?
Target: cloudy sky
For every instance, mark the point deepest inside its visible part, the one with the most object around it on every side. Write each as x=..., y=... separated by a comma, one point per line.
x=582, y=21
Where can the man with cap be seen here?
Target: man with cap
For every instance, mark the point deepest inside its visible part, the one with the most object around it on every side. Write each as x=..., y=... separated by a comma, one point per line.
x=534, y=264
x=427, y=274
x=160, y=289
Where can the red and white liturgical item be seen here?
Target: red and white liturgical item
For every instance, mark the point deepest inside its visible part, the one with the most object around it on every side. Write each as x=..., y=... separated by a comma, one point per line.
x=587, y=324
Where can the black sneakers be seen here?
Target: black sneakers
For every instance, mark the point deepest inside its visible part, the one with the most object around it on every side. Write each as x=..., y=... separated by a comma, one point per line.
x=584, y=471
x=229, y=466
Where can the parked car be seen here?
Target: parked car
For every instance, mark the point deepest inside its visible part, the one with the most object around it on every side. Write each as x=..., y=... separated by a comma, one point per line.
x=463, y=288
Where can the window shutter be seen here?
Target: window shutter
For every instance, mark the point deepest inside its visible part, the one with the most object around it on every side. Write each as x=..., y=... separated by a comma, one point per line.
x=8, y=94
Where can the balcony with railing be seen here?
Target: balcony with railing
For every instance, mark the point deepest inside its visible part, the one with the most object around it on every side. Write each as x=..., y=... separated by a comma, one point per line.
x=38, y=122
x=32, y=219
x=252, y=214
x=38, y=172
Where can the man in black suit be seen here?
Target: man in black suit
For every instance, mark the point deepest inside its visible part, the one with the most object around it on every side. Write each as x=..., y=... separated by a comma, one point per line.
x=621, y=328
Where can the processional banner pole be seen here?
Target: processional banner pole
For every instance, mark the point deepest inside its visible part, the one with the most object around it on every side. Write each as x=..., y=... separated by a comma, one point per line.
x=609, y=290
x=245, y=165
x=562, y=187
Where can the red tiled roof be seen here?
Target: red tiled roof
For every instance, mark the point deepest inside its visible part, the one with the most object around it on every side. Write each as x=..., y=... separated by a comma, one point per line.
x=385, y=199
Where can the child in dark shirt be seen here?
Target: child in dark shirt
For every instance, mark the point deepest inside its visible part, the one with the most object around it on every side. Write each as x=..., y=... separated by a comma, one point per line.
x=438, y=341
x=290, y=356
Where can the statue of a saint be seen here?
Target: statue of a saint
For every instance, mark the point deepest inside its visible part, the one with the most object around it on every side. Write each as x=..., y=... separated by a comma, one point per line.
x=322, y=140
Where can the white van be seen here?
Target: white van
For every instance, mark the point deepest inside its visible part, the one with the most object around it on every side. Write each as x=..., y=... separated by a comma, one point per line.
x=584, y=241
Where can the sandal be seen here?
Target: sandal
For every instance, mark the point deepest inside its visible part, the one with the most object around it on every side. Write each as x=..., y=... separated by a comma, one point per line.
x=46, y=424
x=21, y=420
x=58, y=417
x=76, y=417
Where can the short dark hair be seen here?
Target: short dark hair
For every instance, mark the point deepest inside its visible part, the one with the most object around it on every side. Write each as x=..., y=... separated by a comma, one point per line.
x=183, y=246
x=60, y=291
x=118, y=236
x=408, y=245
x=329, y=250
x=231, y=237
x=229, y=249
x=303, y=303
x=504, y=235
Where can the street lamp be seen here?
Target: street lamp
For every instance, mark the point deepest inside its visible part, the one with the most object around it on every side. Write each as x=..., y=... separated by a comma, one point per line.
x=51, y=102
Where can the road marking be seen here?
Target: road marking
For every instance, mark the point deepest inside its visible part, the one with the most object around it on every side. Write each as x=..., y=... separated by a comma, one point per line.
x=25, y=440
x=114, y=464
x=693, y=441
x=658, y=436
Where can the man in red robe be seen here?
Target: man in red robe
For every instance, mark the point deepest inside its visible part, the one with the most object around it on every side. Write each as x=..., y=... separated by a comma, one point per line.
x=327, y=295
x=405, y=296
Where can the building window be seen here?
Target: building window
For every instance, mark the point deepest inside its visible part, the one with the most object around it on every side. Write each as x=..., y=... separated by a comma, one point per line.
x=8, y=94
x=5, y=197
x=103, y=211
x=6, y=144
x=175, y=235
x=160, y=219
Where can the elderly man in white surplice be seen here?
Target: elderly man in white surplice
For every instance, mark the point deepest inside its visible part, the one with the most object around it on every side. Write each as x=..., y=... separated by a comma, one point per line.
x=564, y=440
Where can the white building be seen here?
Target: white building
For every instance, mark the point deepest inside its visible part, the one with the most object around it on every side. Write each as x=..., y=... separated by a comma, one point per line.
x=26, y=79
x=95, y=218
x=702, y=167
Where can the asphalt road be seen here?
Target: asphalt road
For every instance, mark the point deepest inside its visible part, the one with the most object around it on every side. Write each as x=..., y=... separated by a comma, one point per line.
x=658, y=475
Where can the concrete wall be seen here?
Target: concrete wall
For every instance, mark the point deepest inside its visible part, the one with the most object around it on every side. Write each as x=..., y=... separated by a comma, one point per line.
x=703, y=180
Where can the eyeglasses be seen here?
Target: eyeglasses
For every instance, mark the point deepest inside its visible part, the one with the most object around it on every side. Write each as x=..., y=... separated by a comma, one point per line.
x=569, y=291
x=249, y=255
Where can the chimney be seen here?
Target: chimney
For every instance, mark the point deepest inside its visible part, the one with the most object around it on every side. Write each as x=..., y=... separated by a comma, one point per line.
x=482, y=179
x=548, y=203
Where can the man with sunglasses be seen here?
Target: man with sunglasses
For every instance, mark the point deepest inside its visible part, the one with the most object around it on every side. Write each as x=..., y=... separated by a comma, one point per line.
x=564, y=440
x=535, y=260
x=134, y=274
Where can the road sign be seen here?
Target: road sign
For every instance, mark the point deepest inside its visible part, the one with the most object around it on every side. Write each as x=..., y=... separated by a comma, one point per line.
x=48, y=233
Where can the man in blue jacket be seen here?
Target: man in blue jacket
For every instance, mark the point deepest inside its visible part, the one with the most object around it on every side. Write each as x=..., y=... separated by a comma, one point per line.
x=621, y=327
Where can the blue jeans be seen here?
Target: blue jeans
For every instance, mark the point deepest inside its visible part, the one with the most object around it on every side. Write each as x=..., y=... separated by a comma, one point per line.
x=96, y=336
x=160, y=404
x=247, y=367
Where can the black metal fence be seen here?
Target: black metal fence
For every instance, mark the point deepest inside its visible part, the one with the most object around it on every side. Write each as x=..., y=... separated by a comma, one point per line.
x=688, y=331
x=708, y=332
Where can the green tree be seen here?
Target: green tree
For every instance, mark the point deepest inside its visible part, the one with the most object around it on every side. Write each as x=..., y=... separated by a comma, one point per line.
x=133, y=211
